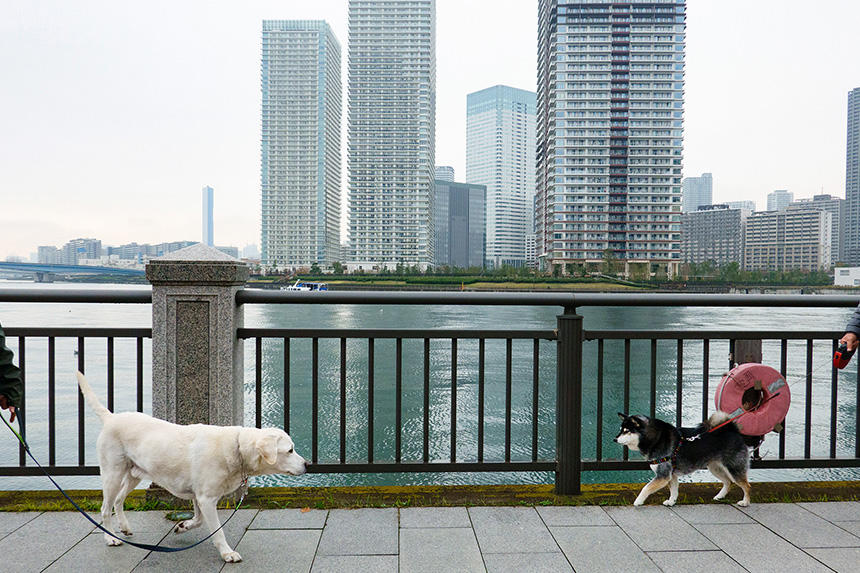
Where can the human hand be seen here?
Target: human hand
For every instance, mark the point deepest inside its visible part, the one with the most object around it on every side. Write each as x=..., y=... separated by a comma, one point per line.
x=4, y=405
x=850, y=340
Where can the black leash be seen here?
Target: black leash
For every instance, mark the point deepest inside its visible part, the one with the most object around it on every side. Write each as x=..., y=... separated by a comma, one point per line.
x=146, y=546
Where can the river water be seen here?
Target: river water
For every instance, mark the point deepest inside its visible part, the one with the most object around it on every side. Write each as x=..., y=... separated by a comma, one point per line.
x=451, y=317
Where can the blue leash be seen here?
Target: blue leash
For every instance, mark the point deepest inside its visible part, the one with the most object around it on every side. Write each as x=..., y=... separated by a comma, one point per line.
x=148, y=547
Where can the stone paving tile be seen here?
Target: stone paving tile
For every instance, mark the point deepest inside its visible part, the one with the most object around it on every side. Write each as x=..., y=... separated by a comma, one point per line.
x=686, y=561
x=598, y=549
x=658, y=528
x=12, y=520
x=40, y=541
x=93, y=555
x=799, y=526
x=362, y=563
x=434, y=517
x=511, y=530
x=439, y=550
x=285, y=550
x=841, y=559
x=849, y=526
x=758, y=549
x=360, y=532
x=574, y=515
x=204, y=557
x=531, y=562
x=834, y=510
x=711, y=513
x=290, y=519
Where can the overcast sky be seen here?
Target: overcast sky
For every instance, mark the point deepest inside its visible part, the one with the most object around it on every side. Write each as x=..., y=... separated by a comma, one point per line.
x=114, y=114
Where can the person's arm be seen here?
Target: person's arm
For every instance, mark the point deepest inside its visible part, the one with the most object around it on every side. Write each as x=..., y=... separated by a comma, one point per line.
x=11, y=386
x=852, y=330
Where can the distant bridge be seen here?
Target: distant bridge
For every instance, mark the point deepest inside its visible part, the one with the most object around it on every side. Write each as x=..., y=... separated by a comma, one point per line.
x=45, y=272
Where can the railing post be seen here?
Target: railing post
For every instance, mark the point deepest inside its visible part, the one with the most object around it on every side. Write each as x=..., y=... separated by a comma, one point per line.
x=197, y=361
x=568, y=417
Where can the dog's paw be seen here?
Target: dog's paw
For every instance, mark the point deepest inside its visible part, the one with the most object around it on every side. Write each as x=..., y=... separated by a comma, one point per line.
x=184, y=526
x=743, y=503
x=231, y=557
x=112, y=541
x=669, y=502
x=639, y=502
x=719, y=496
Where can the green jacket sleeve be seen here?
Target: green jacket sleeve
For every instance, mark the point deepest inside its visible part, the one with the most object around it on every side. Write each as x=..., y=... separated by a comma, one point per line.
x=10, y=376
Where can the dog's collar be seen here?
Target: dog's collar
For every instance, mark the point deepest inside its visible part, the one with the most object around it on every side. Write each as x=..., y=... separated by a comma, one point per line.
x=245, y=475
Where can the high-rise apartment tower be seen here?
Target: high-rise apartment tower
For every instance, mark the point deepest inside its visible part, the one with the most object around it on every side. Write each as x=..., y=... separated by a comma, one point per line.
x=697, y=192
x=392, y=114
x=610, y=109
x=852, y=181
x=500, y=142
x=301, y=156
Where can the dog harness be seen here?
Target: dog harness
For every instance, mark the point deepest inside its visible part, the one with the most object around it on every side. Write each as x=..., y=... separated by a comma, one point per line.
x=673, y=456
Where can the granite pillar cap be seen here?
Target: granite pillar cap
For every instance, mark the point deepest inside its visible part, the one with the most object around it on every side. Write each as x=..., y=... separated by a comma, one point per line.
x=197, y=264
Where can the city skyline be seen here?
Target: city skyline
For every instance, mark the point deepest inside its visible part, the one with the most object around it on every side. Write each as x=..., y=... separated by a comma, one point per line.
x=131, y=133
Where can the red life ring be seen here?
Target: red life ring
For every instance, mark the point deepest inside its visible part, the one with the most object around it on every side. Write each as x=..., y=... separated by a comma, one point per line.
x=756, y=393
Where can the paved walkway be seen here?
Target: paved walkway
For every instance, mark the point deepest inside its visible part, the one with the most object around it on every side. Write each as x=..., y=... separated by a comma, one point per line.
x=779, y=537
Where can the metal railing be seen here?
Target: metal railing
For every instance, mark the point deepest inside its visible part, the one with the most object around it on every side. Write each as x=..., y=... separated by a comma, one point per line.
x=573, y=347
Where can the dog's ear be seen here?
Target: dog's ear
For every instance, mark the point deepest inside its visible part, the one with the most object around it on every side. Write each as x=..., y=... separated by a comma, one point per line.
x=622, y=416
x=268, y=448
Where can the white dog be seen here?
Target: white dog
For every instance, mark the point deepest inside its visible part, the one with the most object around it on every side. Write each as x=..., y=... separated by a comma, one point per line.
x=197, y=462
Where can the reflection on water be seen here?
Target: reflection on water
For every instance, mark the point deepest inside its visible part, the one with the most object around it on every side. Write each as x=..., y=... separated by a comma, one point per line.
x=439, y=439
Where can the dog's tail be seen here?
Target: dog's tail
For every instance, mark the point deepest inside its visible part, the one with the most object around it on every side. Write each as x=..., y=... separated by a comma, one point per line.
x=718, y=418
x=92, y=399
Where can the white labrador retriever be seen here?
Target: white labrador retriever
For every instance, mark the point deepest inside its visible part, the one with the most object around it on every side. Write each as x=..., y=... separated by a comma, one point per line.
x=198, y=462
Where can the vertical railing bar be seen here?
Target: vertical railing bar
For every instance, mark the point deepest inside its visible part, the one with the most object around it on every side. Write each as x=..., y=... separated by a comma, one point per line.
x=807, y=431
x=834, y=393
x=679, y=383
x=258, y=382
x=481, y=351
x=652, y=406
x=343, y=400
x=22, y=411
x=426, y=453
x=110, y=369
x=140, y=374
x=535, y=396
x=370, y=399
x=599, y=445
x=508, y=393
x=706, y=367
x=287, y=389
x=453, y=400
x=783, y=368
x=626, y=453
x=52, y=401
x=315, y=352
x=398, y=400
x=81, y=436
x=857, y=414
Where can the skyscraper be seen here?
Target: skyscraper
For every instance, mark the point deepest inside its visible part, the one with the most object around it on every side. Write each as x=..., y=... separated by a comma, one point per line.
x=697, y=192
x=459, y=224
x=779, y=200
x=852, y=180
x=610, y=109
x=500, y=142
x=392, y=114
x=208, y=201
x=836, y=207
x=444, y=173
x=301, y=156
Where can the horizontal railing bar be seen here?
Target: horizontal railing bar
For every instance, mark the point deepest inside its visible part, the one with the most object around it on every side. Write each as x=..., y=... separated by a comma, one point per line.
x=774, y=463
x=260, y=296
x=411, y=467
x=446, y=333
x=75, y=332
x=712, y=334
x=18, y=471
x=141, y=295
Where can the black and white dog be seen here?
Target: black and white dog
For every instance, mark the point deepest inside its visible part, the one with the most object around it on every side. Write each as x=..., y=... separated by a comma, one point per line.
x=673, y=452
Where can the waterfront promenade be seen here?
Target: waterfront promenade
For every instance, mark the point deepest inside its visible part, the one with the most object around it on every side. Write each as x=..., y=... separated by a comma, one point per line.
x=796, y=537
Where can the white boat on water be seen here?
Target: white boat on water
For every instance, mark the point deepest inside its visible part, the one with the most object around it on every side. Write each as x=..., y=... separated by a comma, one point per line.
x=300, y=285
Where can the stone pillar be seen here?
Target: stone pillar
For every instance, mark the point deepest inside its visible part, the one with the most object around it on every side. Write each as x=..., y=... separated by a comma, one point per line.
x=197, y=361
